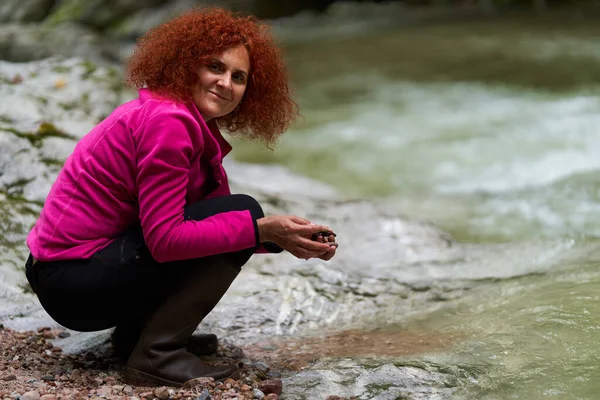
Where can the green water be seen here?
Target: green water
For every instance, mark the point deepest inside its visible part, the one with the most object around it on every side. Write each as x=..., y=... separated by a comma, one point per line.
x=490, y=130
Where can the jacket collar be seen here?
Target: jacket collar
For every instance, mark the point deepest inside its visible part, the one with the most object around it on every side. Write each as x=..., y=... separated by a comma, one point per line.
x=210, y=127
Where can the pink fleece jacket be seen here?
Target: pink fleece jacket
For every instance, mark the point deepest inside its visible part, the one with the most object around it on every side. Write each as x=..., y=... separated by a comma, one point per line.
x=142, y=164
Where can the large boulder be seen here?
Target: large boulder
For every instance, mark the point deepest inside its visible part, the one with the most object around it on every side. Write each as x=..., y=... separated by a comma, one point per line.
x=377, y=277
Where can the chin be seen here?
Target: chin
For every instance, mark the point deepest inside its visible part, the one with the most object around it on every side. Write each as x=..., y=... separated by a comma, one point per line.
x=209, y=114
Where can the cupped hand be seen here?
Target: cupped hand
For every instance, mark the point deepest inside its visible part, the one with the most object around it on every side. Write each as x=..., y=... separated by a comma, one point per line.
x=294, y=234
x=330, y=241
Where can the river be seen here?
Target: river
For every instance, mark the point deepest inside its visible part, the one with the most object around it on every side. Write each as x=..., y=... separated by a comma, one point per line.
x=490, y=130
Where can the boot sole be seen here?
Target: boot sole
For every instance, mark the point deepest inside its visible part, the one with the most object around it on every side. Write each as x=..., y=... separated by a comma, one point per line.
x=139, y=378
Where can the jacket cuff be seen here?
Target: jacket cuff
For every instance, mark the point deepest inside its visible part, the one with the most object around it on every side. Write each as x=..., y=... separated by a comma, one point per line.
x=272, y=247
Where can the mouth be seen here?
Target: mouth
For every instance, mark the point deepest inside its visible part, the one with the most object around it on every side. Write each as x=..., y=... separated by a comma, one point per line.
x=218, y=96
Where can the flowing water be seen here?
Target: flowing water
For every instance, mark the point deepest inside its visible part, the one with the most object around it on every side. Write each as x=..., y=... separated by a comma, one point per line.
x=491, y=130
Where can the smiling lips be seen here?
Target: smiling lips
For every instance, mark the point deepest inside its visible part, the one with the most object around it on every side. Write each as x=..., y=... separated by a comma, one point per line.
x=217, y=95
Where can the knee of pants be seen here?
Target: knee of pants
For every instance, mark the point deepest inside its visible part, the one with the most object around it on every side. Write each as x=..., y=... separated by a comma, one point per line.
x=249, y=203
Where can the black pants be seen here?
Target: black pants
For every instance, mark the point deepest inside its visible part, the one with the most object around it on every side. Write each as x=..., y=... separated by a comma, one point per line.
x=122, y=282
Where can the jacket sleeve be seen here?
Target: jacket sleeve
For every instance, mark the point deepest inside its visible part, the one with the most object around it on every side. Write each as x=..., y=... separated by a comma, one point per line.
x=164, y=151
x=268, y=247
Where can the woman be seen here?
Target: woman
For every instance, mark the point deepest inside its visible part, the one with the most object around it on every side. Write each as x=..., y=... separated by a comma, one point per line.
x=140, y=230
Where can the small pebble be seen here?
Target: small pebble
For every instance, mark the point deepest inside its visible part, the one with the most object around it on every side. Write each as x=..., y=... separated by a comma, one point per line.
x=204, y=395
x=198, y=381
x=271, y=386
x=48, y=397
x=271, y=396
x=245, y=388
x=258, y=394
x=104, y=391
x=63, y=334
x=273, y=374
x=162, y=393
x=33, y=395
x=11, y=377
x=262, y=367
x=49, y=335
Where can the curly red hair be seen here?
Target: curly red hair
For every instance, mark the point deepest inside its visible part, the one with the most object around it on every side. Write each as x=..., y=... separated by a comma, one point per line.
x=166, y=60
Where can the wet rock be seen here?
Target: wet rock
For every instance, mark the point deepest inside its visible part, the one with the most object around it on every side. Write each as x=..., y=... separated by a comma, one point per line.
x=271, y=386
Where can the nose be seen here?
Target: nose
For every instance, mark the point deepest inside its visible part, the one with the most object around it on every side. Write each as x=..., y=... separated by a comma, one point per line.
x=225, y=81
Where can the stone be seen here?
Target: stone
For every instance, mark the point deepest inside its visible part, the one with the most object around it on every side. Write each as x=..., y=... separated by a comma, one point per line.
x=198, y=382
x=205, y=395
x=271, y=386
x=271, y=396
x=48, y=397
x=262, y=367
x=162, y=393
x=245, y=388
x=10, y=377
x=104, y=391
x=258, y=394
x=33, y=395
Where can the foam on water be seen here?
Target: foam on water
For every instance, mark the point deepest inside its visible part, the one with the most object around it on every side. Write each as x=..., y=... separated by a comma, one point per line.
x=498, y=151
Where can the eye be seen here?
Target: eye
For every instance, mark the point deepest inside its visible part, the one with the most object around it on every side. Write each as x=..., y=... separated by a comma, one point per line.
x=239, y=78
x=215, y=67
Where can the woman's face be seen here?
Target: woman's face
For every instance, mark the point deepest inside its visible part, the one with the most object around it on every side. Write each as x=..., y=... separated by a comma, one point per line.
x=222, y=83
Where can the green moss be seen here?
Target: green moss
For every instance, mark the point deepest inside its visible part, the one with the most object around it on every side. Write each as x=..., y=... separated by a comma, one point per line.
x=42, y=100
x=26, y=288
x=69, y=106
x=377, y=388
x=61, y=69
x=52, y=162
x=89, y=69
x=45, y=130
x=15, y=199
x=70, y=10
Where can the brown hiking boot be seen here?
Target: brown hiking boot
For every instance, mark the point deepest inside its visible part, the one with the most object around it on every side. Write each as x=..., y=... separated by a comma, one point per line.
x=124, y=339
x=160, y=356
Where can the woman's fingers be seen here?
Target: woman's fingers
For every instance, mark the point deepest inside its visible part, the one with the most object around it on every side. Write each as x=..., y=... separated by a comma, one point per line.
x=299, y=221
x=310, y=230
x=305, y=253
x=312, y=245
